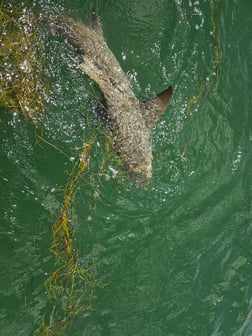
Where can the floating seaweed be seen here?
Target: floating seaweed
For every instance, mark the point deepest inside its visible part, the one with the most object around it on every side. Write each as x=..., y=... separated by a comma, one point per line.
x=22, y=60
x=70, y=287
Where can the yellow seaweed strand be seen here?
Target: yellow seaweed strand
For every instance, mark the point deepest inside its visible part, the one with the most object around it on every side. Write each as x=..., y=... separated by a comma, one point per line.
x=70, y=286
x=212, y=79
x=22, y=60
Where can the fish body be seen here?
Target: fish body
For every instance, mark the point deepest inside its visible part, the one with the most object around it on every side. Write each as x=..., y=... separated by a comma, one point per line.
x=132, y=119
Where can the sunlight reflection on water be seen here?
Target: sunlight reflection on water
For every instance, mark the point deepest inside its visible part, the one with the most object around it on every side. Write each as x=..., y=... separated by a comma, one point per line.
x=176, y=257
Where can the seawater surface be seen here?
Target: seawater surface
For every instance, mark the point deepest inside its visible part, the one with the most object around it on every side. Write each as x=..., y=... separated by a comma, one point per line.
x=174, y=259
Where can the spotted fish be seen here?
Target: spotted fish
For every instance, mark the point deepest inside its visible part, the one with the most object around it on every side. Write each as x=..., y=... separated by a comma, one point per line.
x=132, y=119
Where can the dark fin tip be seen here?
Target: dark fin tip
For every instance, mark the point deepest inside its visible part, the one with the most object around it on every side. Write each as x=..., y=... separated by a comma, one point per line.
x=96, y=24
x=165, y=96
x=94, y=15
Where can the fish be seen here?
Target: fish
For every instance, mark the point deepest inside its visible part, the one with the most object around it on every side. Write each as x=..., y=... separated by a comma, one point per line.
x=131, y=119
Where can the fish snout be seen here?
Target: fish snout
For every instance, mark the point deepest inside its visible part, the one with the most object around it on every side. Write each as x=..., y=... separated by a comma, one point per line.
x=142, y=173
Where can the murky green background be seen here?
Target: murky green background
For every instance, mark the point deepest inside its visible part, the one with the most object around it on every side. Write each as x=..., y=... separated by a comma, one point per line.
x=175, y=259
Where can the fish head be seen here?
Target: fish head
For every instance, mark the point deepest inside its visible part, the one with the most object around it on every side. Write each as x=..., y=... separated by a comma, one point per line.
x=139, y=165
x=142, y=171
x=131, y=139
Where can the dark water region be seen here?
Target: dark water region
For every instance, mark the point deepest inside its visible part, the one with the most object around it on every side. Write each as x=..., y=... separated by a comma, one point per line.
x=175, y=259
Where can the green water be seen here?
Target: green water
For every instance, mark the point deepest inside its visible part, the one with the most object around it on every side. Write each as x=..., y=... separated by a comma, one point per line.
x=175, y=259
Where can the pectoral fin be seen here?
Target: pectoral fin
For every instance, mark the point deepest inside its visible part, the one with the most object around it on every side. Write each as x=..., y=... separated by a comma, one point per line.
x=153, y=108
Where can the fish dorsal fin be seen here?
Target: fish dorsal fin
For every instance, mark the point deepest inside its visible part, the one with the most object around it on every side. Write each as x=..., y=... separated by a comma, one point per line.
x=165, y=98
x=153, y=108
x=96, y=24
